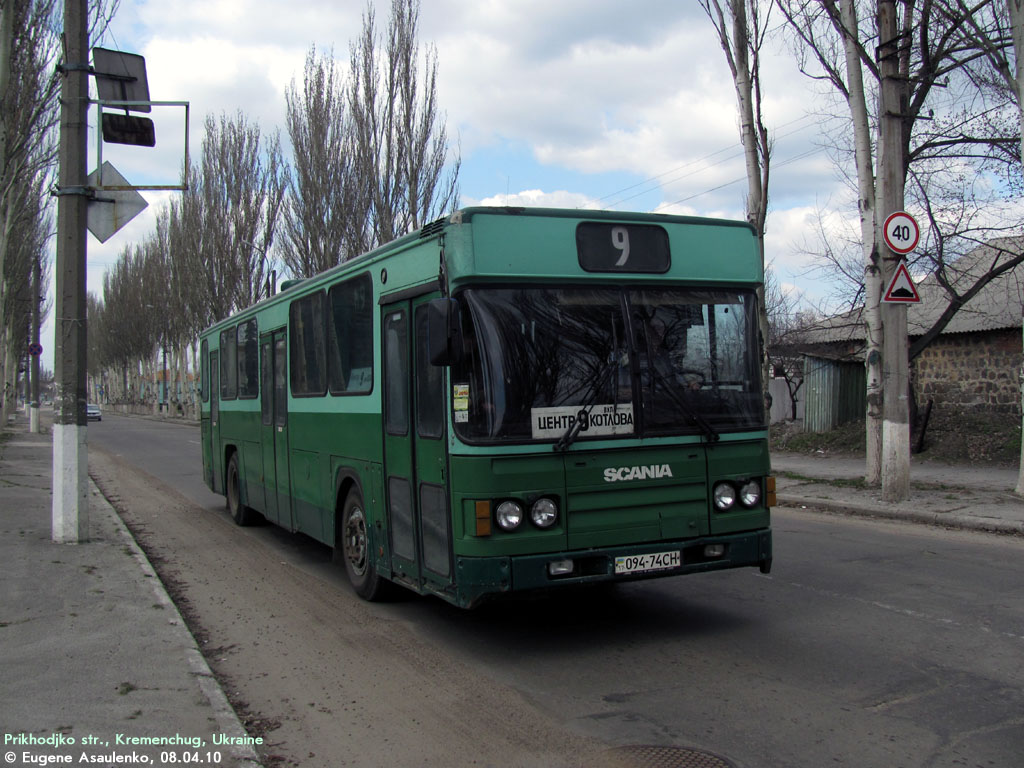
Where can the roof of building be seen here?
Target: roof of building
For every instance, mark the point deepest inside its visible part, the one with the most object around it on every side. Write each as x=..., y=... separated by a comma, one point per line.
x=999, y=304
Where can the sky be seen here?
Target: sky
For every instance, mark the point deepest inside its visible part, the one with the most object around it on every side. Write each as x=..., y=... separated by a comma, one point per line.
x=574, y=103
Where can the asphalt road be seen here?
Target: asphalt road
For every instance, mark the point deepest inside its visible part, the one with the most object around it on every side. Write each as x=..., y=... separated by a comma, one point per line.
x=870, y=644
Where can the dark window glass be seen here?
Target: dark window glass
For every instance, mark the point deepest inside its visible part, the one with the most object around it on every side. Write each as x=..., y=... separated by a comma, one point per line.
x=267, y=377
x=280, y=382
x=697, y=357
x=308, y=346
x=204, y=371
x=396, y=375
x=214, y=386
x=429, y=384
x=619, y=363
x=350, y=346
x=248, y=360
x=228, y=365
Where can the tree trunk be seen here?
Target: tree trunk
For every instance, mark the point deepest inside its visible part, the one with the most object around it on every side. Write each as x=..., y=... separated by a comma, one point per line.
x=869, y=240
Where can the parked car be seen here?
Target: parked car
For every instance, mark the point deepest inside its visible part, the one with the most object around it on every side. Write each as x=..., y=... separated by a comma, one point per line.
x=93, y=412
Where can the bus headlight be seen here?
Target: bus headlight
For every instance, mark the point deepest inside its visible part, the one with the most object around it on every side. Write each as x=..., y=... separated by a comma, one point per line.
x=509, y=515
x=544, y=513
x=750, y=493
x=724, y=496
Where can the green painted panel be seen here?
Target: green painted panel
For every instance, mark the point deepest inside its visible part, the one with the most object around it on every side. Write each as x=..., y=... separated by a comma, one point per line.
x=535, y=243
x=739, y=461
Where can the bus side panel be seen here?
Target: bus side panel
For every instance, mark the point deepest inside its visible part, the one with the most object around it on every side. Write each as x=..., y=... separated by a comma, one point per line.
x=321, y=445
x=204, y=442
x=250, y=468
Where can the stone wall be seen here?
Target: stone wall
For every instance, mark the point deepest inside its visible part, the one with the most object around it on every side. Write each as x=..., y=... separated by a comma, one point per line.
x=972, y=370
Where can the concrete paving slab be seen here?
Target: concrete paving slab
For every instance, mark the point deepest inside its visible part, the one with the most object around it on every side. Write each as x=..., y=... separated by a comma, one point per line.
x=96, y=659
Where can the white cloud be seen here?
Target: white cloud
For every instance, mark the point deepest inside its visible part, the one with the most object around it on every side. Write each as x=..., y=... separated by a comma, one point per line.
x=536, y=198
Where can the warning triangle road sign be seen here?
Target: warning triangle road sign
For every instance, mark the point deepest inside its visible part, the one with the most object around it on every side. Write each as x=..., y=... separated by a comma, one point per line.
x=901, y=288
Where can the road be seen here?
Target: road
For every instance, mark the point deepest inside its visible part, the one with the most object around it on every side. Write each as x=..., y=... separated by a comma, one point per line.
x=870, y=644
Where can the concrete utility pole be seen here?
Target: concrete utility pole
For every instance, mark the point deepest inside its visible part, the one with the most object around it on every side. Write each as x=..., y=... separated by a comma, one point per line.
x=70, y=463
x=895, y=362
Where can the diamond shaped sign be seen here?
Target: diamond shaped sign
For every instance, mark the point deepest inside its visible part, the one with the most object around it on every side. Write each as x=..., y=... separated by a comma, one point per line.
x=111, y=209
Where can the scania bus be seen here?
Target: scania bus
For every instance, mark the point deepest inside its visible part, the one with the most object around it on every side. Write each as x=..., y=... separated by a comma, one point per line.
x=506, y=400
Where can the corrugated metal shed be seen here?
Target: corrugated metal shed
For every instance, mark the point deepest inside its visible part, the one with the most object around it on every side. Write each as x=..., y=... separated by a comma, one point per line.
x=835, y=393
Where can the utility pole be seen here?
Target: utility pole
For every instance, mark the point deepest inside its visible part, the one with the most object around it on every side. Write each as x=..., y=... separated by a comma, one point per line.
x=70, y=462
x=895, y=362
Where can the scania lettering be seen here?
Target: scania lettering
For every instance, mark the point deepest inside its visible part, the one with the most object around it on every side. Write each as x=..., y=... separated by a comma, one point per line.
x=612, y=475
x=506, y=400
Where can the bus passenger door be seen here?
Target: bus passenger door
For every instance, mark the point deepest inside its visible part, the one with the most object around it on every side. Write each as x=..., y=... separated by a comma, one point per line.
x=268, y=428
x=216, y=455
x=415, y=458
x=282, y=483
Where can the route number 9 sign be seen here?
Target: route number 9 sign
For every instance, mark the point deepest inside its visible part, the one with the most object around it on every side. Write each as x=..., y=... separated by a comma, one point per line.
x=607, y=247
x=900, y=232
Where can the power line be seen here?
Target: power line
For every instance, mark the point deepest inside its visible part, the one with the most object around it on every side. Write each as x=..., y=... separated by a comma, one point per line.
x=781, y=164
x=703, y=159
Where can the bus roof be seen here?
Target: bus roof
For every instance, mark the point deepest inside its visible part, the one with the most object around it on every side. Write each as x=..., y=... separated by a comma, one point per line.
x=493, y=243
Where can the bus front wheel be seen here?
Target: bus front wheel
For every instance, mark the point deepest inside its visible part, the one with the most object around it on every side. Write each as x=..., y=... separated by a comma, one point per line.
x=240, y=513
x=354, y=549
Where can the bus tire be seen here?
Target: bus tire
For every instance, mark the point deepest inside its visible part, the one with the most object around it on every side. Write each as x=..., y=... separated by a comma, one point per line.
x=240, y=513
x=353, y=548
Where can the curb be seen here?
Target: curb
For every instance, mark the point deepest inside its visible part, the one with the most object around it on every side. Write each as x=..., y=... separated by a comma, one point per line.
x=937, y=519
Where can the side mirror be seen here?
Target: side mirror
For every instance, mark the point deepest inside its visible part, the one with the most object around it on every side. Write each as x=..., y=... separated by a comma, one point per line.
x=444, y=332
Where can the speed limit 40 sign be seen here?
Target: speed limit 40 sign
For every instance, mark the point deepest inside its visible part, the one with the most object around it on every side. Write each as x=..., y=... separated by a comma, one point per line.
x=900, y=232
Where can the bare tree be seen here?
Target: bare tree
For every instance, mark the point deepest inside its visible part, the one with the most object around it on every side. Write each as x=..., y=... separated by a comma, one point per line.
x=748, y=20
x=938, y=50
x=29, y=85
x=401, y=140
x=241, y=188
x=28, y=114
x=326, y=213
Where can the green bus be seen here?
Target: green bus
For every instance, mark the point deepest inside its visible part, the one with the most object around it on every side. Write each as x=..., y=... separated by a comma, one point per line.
x=507, y=400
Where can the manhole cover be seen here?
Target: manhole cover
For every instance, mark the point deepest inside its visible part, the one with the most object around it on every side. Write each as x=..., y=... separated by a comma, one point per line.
x=649, y=756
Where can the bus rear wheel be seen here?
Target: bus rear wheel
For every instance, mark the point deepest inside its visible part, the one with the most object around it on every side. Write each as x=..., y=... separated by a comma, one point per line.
x=240, y=513
x=353, y=549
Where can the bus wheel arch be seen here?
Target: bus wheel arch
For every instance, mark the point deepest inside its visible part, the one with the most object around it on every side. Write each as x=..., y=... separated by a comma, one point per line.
x=354, y=543
x=240, y=513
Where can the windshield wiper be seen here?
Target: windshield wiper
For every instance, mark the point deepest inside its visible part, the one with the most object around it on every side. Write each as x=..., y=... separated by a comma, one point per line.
x=703, y=424
x=570, y=435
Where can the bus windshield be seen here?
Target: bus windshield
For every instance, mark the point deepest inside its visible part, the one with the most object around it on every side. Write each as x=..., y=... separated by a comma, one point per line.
x=560, y=363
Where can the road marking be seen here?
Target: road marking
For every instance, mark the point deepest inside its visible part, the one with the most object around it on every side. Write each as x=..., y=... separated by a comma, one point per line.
x=908, y=612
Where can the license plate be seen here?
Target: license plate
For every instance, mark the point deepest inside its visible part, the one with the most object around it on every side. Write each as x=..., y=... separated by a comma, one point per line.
x=654, y=561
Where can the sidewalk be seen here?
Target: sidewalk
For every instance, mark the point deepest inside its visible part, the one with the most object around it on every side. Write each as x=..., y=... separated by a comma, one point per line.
x=96, y=659
x=957, y=496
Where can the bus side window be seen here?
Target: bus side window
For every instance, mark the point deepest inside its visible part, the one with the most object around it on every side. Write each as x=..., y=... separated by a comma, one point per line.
x=307, y=339
x=350, y=336
x=228, y=365
x=396, y=374
x=204, y=371
x=429, y=383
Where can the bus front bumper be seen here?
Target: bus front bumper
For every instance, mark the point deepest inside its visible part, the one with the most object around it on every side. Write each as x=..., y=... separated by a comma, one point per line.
x=479, y=577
